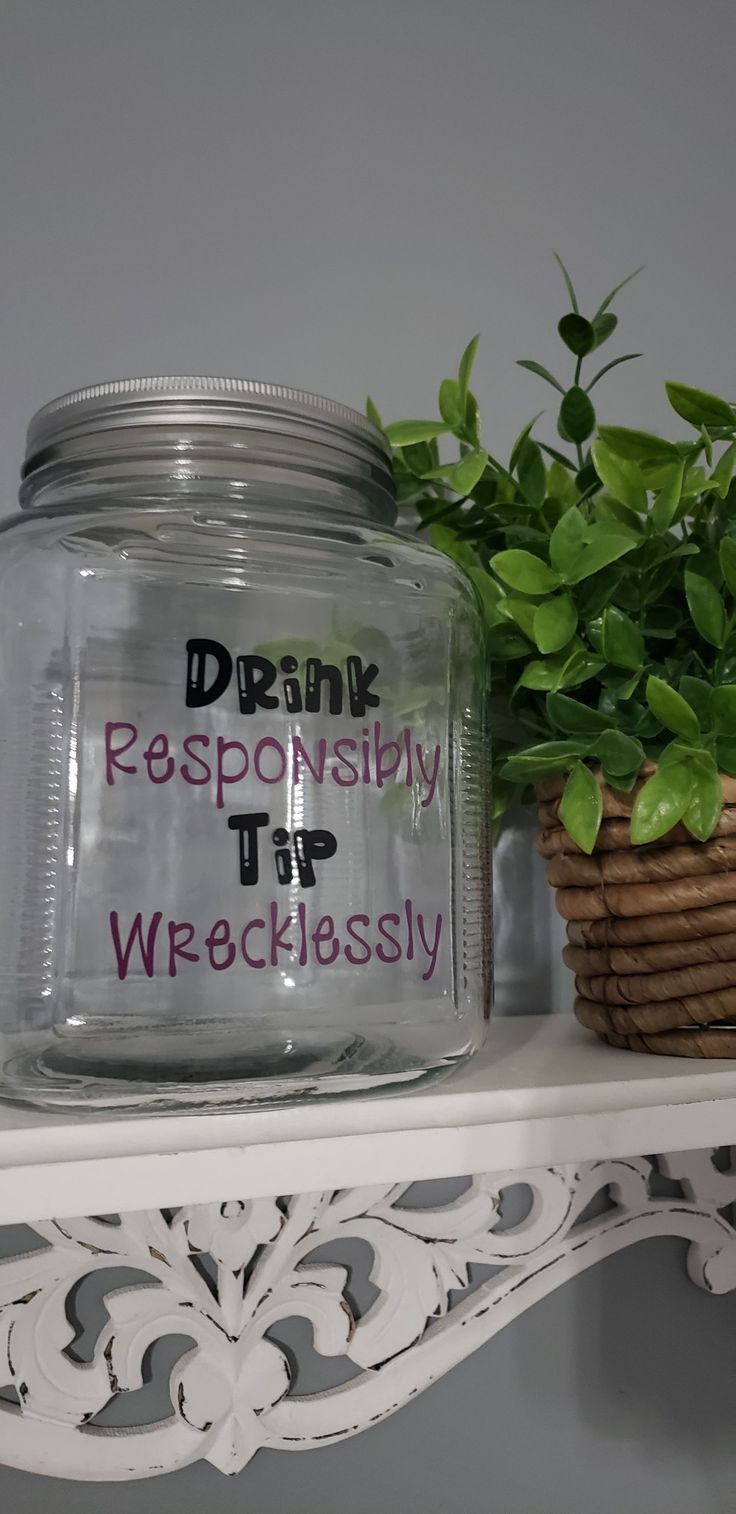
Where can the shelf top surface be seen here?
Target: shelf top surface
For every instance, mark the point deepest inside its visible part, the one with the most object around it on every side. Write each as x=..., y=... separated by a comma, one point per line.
x=531, y=1067
x=541, y=1091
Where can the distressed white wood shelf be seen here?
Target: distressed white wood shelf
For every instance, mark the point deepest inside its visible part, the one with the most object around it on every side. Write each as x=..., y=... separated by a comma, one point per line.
x=235, y=1224
x=542, y=1092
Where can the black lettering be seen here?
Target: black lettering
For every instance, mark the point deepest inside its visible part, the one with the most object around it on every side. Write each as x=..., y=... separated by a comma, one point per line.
x=198, y=651
x=248, y=826
x=319, y=672
x=292, y=691
x=256, y=675
x=309, y=847
x=359, y=695
x=284, y=869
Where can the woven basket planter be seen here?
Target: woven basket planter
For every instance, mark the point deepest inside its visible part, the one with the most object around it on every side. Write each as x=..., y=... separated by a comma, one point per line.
x=651, y=929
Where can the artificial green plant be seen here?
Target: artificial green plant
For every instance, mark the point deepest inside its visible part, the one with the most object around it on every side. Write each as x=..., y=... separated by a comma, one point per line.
x=606, y=566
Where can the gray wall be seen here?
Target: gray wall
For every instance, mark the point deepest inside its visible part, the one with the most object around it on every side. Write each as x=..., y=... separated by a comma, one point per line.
x=337, y=195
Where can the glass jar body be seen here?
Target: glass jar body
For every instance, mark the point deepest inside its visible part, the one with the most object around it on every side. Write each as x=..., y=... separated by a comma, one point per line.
x=242, y=809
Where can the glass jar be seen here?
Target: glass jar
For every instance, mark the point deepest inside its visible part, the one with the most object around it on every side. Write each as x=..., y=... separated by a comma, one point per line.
x=242, y=768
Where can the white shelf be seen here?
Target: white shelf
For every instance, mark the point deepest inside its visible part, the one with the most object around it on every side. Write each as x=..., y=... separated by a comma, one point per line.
x=541, y=1092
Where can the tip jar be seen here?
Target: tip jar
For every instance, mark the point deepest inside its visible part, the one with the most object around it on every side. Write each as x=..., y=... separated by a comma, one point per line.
x=243, y=809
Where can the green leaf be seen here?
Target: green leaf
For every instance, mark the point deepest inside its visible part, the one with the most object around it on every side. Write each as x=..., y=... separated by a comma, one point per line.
x=567, y=539
x=578, y=668
x=577, y=334
x=541, y=372
x=524, y=572
x=522, y=612
x=695, y=481
x=536, y=761
x=466, y=367
x=531, y=473
x=726, y=755
x=488, y=592
x=698, y=407
x=602, y=548
x=639, y=446
x=560, y=485
x=421, y=458
x=575, y=718
x=603, y=327
x=707, y=564
x=699, y=694
x=545, y=676
x=472, y=421
x=405, y=433
x=505, y=644
x=555, y=622
x=447, y=541
x=559, y=457
x=619, y=754
x=611, y=512
x=671, y=710
x=722, y=474
x=621, y=476
x=560, y=671
x=521, y=438
x=568, y=283
x=468, y=471
x=622, y=642
x=723, y=703
x=581, y=807
x=708, y=445
x=623, y=689
x=661, y=803
x=668, y=499
x=628, y=357
x=372, y=413
x=577, y=416
x=610, y=297
x=727, y=555
x=706, y=800
x=452, y=404
x=706, y=608
x=597, y=591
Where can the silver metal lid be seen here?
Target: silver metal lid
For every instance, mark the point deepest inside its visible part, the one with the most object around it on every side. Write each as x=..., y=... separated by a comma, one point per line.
x=201, y=401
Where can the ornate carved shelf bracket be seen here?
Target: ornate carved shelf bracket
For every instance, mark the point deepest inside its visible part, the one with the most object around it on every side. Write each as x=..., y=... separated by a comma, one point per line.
x=444, y=1280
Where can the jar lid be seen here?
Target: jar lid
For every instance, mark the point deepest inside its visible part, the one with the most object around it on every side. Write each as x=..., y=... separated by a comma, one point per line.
x=201, y=401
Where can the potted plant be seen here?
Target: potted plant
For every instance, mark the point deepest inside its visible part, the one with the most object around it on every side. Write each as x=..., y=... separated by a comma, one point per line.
x=606, y=564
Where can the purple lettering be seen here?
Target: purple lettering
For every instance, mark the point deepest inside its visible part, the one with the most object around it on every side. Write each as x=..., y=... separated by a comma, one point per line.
x=431, y=951
x=123, y=953
x=429, y=776
x=381, y=748
x=409, y=779
x=223, y=777
x=158, y=751
x=351, y=745
x=275, y=746
x=113, y=753
x=219, y=937
x=301, y=915
x=278, y=934
x=359, y=940
x=252, y=925
x=381, y=950
x=300, y=754
x=323, y=933
x=186, y=771
x=178, y=948
x=409, y=912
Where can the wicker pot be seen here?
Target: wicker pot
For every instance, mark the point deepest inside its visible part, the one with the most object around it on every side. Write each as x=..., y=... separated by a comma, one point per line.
x=651, y=929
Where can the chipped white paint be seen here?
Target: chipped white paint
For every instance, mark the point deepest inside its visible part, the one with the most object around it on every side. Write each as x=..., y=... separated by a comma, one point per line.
x=230, y=1392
